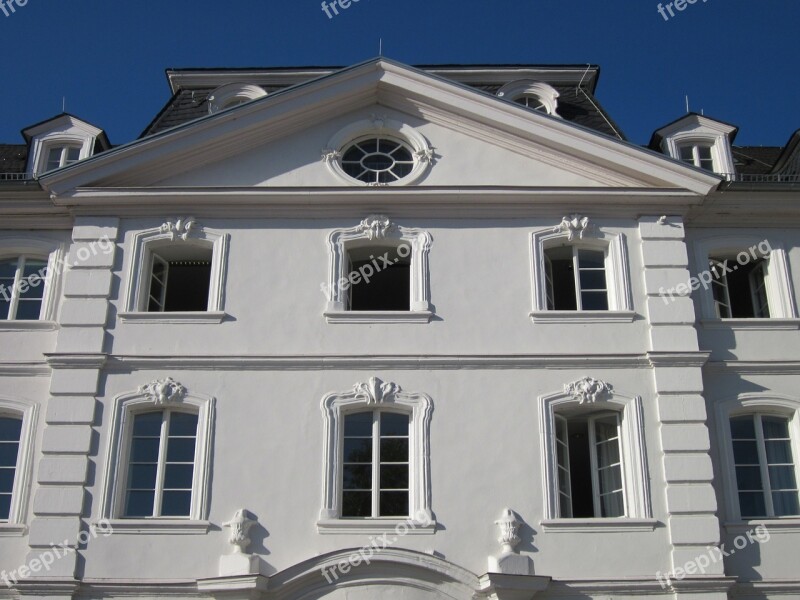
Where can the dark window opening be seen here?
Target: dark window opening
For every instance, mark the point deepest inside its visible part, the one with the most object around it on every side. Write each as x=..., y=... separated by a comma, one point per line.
x=180, y=283
x=575, y=279
x=580, y=466
x=740, y=293
x=384, y=281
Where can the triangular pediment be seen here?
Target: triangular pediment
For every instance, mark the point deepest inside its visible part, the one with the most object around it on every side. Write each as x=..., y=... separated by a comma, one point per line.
x=476, y=140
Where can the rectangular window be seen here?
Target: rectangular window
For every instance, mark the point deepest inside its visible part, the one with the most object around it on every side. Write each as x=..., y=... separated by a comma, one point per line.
x=180, y=279
x=698, y=155
x=10, y=431
x=384, y=281
x=375, y=470
x=589, y=466
x=62, y=156
x=765, y=471
x=22, y=283
x=575, y=279
x=161, y=465
x=740, y=291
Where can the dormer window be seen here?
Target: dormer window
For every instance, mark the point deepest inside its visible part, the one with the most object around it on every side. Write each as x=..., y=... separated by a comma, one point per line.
x=233, y=94
x=535, y=95
x=61, y=156
x=698, y=155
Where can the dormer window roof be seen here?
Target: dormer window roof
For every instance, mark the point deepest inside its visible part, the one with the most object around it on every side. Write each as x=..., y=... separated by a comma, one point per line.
x=699, y=141
x=61, y=141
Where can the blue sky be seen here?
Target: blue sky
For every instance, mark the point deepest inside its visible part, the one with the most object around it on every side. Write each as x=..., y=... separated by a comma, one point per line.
x=736, y=59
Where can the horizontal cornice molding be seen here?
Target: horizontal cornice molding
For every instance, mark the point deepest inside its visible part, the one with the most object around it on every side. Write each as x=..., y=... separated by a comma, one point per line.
x=76, y=361
x=678, y=359
x=24, y=368
x=125, y=363
x=754, y=367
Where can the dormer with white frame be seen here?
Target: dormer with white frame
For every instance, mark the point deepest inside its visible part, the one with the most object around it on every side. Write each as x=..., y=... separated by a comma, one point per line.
x=698, y=141
x=61, y=141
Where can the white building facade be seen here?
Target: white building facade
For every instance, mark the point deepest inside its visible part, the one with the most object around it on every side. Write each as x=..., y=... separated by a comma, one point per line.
x=387, y=332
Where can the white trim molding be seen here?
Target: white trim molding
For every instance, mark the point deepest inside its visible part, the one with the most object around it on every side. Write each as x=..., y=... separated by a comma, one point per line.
x=587, y=395
x=547, y=94
x=43, y=248
x=576, y=230
x=375, y=394
x=377, y=229
x=179, y=231
x=778, y=282
x=378, y=125
x=764, y=403
x=161, y=394
x=23, y=473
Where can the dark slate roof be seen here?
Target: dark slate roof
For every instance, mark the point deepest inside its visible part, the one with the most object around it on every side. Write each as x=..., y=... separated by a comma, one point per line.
x=13, y=158
x=574, y=106
x=755, y=160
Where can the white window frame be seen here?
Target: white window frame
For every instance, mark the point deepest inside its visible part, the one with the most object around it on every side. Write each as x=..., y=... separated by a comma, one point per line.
x=633, y=451
x=50, y=250
x=576, y=249
x=769, y=403
x=378, y=126
x=697, y=161
x=620, y=302
x=124, y=408
x=23, y=474
x=779, y=291
x=64, y=149
x=380, y=231
x=370, y=396
x=694, y=130
x=140, y=259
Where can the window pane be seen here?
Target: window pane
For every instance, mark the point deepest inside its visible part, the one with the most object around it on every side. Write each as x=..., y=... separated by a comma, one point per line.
x=775, y=428
x=394, y=450
x=610, y=479
x=178, y=477
x=29, y=310
x=180, y=450
x=5, y=506
x=593, y=280
x=357, y=504
x=142, y=477
x=176, y=504
x=6, y=480
x=394, y=477
x=30, y=274
x=148, y=424
x=687, y=154
x=393, y=424
x=394, y=504
x=782, y=478
x=358, y=450
x=54, y=158
x=144, y=450
x=139, y=504
x=606, y=429
x=5, y=306
x=10, y=429
x=778, y=451
x=745, y=453
x=8, y=454
x=591, y=259
x=612, y=505
x=594, y=301
x=785, y=504
x=743, y=428
x=73, y=154
x=358, y=424
x=749, y=478
x=184, y=424
x=752, y=504
x=357, y=477
x=608, y=453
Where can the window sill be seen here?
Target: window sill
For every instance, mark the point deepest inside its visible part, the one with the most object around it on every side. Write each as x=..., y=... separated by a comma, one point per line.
x=787, y=525
x=369, y=526
x=599, y=525
x=173, y=317
x=28, y=325
x=379, y=316
x=152, y=526
x=13, y=529
x=752, y=324
x=583, y=316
